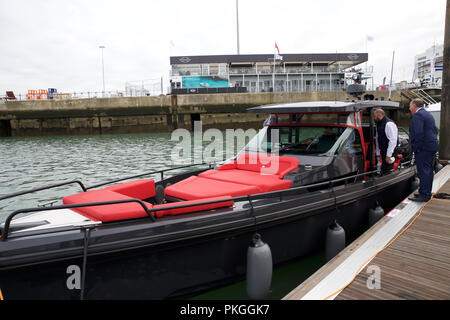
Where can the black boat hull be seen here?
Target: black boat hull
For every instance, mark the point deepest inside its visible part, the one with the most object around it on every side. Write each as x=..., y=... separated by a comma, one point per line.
x=194, y=264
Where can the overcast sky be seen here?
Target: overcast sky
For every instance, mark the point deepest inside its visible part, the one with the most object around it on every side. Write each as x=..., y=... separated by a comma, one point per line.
x=55, y=44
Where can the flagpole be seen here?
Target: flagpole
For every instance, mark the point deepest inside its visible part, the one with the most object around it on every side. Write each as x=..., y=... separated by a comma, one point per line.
x=392, y=69
x=273, y=74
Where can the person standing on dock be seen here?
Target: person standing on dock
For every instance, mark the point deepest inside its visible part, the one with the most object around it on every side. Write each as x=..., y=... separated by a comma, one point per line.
x=424, y=143
x=386, y=141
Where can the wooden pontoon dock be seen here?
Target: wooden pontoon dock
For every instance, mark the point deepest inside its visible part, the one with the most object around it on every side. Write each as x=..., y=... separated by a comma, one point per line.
x=406, y=255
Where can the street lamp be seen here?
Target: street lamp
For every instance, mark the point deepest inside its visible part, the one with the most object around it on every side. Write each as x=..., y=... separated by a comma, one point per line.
x=103, y=70
x=237, y=25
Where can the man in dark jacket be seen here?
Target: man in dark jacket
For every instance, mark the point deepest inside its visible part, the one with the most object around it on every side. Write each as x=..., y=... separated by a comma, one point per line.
x=424, y=143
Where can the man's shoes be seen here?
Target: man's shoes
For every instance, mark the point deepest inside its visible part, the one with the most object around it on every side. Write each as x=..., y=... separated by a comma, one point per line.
x=416, y=194
x=419, y=199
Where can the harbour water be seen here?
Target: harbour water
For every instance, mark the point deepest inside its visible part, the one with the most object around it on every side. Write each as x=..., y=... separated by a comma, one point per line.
x=31, y=162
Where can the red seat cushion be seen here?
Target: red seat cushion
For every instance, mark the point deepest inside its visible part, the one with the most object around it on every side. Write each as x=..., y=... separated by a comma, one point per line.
x=202, y=207
x=266, y=183
x=194, y=188
x=265, y=164
x=106, y=213
x=138, y=189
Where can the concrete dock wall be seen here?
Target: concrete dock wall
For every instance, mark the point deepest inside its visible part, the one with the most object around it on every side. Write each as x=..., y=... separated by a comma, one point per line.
x=150, y=114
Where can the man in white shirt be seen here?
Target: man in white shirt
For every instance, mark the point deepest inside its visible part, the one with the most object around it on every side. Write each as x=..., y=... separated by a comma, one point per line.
x=386, y=140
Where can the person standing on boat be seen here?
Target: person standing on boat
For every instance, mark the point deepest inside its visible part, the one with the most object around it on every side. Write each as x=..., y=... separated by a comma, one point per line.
x=386, y=140
x=424, y=142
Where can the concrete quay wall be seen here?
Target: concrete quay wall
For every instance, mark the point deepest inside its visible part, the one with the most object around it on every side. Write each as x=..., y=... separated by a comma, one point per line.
x=149, y=114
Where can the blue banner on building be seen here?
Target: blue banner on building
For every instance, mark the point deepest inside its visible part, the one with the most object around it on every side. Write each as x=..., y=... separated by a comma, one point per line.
x=204, y=82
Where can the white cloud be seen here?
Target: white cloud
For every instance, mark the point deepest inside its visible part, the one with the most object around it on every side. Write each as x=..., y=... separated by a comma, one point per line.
x=56, y=43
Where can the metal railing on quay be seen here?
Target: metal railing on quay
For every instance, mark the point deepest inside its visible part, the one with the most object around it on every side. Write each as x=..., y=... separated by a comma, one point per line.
x=81, y=95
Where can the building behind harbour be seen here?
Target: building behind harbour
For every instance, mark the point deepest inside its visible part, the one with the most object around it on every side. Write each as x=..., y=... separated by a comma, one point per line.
x=264, y=72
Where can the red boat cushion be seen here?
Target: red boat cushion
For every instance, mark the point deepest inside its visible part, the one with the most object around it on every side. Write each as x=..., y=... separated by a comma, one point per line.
x=138, y=189
x=106, y=213
x=193, y=208
x=264, y=164
x=194, y=188
x=266, y=183
x=124, y=211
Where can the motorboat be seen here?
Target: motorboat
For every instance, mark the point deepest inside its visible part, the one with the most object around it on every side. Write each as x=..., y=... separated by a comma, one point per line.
x=435, y=110
x=312, y=163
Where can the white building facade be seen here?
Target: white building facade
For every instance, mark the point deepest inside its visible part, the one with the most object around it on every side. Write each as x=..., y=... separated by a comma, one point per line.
x=428, y=66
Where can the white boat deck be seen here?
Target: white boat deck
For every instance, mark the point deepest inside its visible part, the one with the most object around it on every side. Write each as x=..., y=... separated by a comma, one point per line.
x=55, y=219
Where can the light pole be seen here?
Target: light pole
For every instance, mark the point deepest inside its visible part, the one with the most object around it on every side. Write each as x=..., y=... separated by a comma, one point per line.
x=103, y=70
x=237, y=25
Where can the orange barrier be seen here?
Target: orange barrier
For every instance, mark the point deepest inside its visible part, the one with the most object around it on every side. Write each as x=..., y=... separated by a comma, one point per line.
x=40, y=94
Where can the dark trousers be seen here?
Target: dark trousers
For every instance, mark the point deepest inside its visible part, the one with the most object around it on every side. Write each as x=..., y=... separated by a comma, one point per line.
x=425, y=166
x=385, y=167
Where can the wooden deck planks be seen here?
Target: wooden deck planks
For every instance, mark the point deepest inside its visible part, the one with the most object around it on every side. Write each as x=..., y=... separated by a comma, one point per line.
x=416, y=265
x=319, y=275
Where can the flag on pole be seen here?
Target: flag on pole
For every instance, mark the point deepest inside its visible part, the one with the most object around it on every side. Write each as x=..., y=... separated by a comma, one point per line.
x=277, y=56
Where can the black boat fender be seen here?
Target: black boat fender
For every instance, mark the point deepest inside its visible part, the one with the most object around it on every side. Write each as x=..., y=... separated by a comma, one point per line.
x=335, y=240
x=415, y=183
x=259, y=268
x=437, y=166
x=375, y=214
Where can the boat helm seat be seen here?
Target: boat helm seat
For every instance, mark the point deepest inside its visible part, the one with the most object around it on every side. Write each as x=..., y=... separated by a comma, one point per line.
x=263, y=164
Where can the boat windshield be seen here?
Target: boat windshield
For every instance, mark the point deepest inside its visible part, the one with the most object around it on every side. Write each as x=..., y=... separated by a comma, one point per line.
x=301, y=139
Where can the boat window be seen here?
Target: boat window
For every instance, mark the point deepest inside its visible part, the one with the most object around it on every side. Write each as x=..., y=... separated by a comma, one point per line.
x=258, y=143
x=304, y=140
x=350, y=141
x=310, y=140
x=303, y=118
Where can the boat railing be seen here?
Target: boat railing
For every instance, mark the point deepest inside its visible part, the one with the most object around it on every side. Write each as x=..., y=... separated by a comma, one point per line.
x=43, y=188
x=278, y=193
x=149, y=211
x=6, y=226
x=161, y=172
